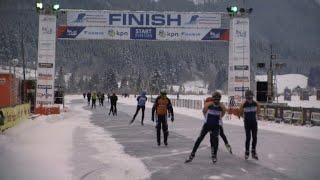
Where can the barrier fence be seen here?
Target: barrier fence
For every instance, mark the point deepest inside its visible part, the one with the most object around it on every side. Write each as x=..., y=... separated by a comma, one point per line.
x=186, y=103
x=14, y=115
x=291, y=115
x=278, y=113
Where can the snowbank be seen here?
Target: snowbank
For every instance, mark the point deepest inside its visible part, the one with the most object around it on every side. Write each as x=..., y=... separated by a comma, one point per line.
x=48, y=141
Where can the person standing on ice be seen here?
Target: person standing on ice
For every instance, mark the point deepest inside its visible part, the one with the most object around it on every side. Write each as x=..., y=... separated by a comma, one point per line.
x=113, y=100
x=101, y=98
x=249, y=110
x=142, y=99
x=161, y=106
x=213, y=112
x=94, y=99
x=84, y=95
x=222, y=135
x=89, y=98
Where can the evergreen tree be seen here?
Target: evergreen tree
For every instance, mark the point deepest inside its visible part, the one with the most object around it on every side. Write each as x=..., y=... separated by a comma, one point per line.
x=112, y=80
x=222, y=78
x=104, y=81
x=138, y=86
x=81, y=84
x=60, y=81
x=94, y=82
x=124, y=84
x=314, y=74
x=72, y=84
x=156, y=84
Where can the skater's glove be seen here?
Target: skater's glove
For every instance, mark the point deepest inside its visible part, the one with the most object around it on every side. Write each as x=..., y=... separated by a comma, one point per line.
x=172, y=118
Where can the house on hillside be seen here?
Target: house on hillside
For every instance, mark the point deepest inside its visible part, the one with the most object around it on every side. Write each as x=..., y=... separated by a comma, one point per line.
x=297, y=90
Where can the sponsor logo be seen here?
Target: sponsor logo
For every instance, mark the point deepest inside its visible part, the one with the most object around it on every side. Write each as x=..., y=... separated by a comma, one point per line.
x=192, y=34
x=144, y=19
x=164, y=34
x=241, y=33
x=45, y=65
x=241, y=48
x=41, y=95
x=242, y=67
x=241, y=79
x=72, y=32
x=241, y=88
x=44, y=56
x=47, y=30
x=44, y=86
x=80, y=18
x=193, y=19
x=43, y=76
x=48, y=19
x=217, y=34
x=46, y=45
x=204, y=20
x=113, y=33
x=93, y=33
x=240, y=58
x=143, y=33
x=3, y=81
x=214, y=35
x=244, y=22
x=45, y=102
x=315, y=116
x=90, y=18
x=69, y=31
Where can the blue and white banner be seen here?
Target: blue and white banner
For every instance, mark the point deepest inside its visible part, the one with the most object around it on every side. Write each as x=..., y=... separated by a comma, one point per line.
x=143, y=19
x=142, y=33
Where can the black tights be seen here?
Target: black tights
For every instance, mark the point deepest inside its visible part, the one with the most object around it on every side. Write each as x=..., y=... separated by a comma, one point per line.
x=251, y=128
x=214, y=140
x=137, y=111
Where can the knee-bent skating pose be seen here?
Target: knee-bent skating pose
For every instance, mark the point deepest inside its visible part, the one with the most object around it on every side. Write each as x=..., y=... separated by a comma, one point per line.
x=213, y=112
x=142, y=99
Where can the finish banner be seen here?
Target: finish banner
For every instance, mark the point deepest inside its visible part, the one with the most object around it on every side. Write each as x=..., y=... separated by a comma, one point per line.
x=107, y=18
x=142, y=33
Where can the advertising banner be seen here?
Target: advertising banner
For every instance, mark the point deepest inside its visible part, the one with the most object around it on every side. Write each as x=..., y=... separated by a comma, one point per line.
x=142, y=33
x=46, y=60
x=143, y=19
x=239, y=57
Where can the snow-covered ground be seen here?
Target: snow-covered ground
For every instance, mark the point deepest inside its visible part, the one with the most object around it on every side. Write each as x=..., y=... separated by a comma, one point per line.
x=192, y=86
x=301, y=131
x=47, y=143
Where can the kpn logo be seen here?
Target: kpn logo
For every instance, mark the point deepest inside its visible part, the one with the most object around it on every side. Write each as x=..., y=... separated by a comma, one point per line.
x=111, y=33
x=164, y=34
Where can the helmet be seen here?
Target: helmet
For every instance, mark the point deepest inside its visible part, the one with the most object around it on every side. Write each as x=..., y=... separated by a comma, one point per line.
x=248, y=93
x=216, y=95
x=208, y=99
x=143, y=93
x=163, y=92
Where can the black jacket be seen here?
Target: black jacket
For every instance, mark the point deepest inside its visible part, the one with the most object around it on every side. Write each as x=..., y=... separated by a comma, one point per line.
x=113, y=99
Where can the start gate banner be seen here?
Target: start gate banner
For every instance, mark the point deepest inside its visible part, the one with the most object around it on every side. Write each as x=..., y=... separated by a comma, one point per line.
x=148, y=19
x=141, y=33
